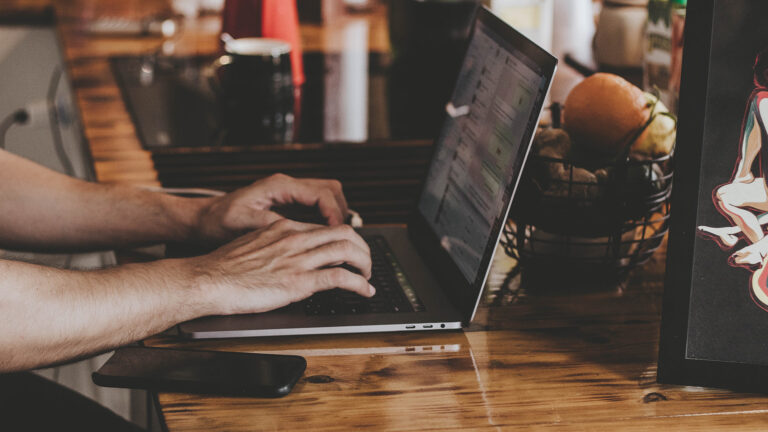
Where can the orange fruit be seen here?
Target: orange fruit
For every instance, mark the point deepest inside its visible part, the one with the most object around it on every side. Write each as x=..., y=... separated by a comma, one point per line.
x=603, y=112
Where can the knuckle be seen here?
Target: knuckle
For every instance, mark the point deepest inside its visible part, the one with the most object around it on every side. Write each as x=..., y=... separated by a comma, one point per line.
x=291, y=280
x=278, y=177
x=334, y=184
x=283, y=224
x=358, y=283
x=289, y=241
x=327, y=195
x=346, y=230
x=346, y=247
x=362, y=284
x=336, y=277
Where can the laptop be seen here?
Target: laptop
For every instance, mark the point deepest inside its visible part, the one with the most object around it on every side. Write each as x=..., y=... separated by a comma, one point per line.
x=430, y=274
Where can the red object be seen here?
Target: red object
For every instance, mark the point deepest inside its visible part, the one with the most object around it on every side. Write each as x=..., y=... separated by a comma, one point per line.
x=277, y=19
x=281, y=21
x=242, y=18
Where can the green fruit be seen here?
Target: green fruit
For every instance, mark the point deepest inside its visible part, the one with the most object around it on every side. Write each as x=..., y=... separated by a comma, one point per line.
x=658, y=138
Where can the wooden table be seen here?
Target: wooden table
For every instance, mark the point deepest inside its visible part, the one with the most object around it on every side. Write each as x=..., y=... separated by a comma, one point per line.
x=531, y=359
x=576, y=361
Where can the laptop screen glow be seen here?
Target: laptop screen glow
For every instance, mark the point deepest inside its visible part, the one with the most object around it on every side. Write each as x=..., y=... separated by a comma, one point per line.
x=474, y=169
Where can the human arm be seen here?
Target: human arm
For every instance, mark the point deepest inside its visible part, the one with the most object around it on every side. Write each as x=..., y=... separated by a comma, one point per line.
x=50, y=315
x=41, y=209
x=751, y=140
x=748, y=152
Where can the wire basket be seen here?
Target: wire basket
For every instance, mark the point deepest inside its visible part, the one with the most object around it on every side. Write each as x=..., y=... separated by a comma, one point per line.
x=566, y=232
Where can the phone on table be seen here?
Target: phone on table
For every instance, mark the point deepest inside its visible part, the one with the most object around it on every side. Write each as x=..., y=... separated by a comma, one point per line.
x=208, y=372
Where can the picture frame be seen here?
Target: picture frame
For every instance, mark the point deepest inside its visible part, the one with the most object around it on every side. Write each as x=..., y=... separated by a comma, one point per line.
x=715, y=309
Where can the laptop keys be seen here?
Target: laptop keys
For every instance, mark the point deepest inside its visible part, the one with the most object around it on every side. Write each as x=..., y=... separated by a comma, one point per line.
x=393, y=291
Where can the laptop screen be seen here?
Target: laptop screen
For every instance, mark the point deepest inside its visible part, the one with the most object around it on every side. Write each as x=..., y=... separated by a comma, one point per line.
x=494, y=109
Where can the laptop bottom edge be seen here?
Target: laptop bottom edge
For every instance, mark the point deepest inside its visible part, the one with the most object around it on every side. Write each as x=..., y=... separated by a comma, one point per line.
x=375, y=328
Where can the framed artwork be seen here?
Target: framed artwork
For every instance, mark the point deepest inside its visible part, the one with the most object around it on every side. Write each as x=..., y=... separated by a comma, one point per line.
x=715, y=318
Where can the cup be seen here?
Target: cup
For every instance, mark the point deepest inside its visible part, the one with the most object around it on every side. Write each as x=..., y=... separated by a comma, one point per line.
x=254, y=85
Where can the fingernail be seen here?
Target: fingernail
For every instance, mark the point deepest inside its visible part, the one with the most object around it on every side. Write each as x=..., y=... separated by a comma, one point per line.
x=372, y=290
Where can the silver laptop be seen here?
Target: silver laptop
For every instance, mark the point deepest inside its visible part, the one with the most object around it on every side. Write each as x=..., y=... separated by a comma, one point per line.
x=430, y=275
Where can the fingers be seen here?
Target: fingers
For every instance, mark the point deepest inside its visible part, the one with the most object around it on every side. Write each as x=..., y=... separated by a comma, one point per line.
x=337, y=277
x=294, y=238
x=311, y=246
x=313, y=238
x=334, y=186
x=327, y=195
x=248, y=208
x=336, y=253
x=289, y=261
x=279, y=230
x=324, y=198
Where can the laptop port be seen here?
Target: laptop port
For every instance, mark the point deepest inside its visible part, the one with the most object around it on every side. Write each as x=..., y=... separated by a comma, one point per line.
x=427, y=326
x=410, y=326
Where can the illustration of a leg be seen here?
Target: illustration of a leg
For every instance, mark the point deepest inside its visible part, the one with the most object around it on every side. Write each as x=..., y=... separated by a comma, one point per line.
x=736, y=200
x=728, y=236
x=759, y=286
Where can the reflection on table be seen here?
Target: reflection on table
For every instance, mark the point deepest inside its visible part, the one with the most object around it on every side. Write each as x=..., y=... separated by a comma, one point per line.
x=532, y=359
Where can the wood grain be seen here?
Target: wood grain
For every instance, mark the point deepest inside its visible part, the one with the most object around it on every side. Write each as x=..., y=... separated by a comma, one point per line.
x=565, y=361
x=537, y=360
x=117, y=152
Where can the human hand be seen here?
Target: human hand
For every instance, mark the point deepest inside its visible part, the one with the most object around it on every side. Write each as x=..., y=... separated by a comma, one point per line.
x=223, y=218
x=282, y=263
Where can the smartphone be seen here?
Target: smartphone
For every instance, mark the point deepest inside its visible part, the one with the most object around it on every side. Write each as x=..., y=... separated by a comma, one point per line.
x=207, y=372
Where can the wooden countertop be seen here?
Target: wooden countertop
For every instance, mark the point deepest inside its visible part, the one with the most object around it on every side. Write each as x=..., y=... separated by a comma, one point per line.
x=117, y=153
x=546, y=361
x=538, y=360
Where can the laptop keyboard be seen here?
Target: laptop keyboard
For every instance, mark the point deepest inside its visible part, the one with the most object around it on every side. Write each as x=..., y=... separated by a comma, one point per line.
x=393, y=291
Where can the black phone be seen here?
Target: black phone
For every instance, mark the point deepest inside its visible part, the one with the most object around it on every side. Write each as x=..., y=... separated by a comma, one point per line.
x=208, y=372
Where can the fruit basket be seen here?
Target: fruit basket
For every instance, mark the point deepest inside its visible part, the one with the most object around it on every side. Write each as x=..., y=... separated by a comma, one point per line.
x=582, y=220
x=590, y=232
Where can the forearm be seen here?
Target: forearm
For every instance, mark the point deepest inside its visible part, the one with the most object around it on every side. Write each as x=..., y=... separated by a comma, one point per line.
x=50, y=315
x=747, y=154
x=44, y=210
